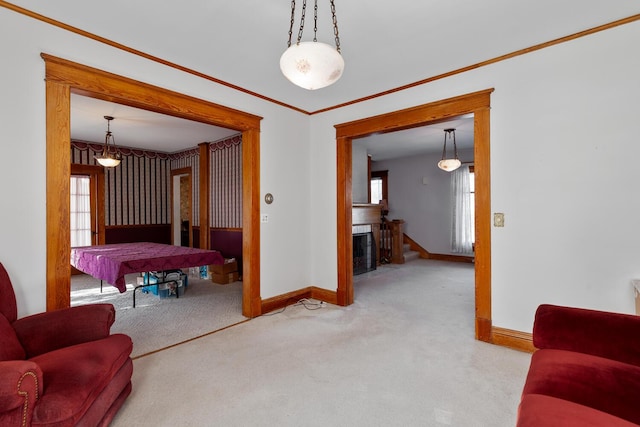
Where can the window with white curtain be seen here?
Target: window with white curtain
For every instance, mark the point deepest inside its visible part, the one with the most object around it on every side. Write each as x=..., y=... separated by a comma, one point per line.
x=462, y=232
x=376, y=190
x=472, y=191
x=80, y=211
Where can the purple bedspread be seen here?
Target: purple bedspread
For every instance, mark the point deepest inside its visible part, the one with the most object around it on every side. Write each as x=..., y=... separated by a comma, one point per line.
x=111, y=262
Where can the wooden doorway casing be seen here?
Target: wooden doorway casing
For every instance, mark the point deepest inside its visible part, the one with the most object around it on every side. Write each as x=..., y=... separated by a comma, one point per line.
x=62, y=78
x=96, y=177
x=179, y=173
x=478, y=104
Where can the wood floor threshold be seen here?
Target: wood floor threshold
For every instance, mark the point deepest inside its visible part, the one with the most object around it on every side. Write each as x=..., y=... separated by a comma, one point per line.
x=190, y=339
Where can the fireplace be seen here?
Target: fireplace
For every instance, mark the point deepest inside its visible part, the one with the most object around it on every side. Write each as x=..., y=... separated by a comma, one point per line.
x=364, y=253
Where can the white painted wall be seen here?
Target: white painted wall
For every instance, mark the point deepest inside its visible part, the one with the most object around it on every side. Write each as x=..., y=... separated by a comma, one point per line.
x=425, y=208
x=564, y=129
x=285, y=240
x=359, y=175
x=564, y=140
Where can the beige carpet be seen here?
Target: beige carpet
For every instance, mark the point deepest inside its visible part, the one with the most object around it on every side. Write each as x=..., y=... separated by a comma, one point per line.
x=403, y=354
x=156, y=323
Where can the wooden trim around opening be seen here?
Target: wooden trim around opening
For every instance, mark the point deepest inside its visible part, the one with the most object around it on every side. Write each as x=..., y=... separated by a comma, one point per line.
x=63, y=77
x=188, y=172
x=204, y=195
x=478, y=104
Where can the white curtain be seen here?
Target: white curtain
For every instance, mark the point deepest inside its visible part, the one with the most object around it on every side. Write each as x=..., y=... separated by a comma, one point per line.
x=80, y=211
x=462, y=230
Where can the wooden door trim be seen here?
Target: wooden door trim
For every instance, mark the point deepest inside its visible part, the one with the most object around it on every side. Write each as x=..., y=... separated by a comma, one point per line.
x=478, y=104
x=181, y=172
x=96, y=174
x=203, y=186
x=64, y=77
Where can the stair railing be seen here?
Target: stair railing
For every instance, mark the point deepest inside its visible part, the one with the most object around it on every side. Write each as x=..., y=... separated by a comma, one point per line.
x=391, y=241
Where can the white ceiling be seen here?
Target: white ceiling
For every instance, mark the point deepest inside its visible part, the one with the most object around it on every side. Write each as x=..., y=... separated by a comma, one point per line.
x=420, y=140
x=385, y=44
x=132, y=127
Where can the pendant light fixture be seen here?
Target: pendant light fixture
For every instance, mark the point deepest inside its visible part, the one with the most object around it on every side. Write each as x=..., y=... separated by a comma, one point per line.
x=312, y=64
x=107, y=158
x=445, y=164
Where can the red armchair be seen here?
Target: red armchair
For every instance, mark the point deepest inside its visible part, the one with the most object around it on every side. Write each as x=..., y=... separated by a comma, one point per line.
x=586, y=371
x=61, y=368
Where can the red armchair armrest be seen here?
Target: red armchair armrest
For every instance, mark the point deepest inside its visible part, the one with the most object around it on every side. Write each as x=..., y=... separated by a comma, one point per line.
x=48, y=331
x=599, y=333
x=20, y=387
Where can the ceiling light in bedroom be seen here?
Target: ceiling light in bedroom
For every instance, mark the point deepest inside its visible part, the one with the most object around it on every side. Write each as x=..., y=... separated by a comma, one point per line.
x=312, y=64
x=445, y=164
x=110, y=157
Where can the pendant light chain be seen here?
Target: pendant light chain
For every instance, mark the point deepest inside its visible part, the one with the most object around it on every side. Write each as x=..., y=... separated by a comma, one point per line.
x=444, y=148
x=448, y=133
x=455, y=147
x=335, y=25
x=315, y=21
x=304, y=13
x=293, y=13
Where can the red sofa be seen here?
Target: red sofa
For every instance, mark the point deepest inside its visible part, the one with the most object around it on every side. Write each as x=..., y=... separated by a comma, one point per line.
x=61, y=368
x=585, y=371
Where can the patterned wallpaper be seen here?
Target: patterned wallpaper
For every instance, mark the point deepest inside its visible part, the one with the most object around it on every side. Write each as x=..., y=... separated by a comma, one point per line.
x=225, y=169
x=137, y=192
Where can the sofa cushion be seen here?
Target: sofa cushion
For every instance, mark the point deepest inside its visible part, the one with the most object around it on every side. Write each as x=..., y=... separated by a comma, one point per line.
x=10, y=347
x=599, y=333
x=603, y=384
x=75, y=376
x=538, y=410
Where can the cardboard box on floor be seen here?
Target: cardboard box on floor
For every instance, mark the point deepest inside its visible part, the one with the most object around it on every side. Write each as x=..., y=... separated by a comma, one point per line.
x=224, y=273
x=223, y=279
x=230, y=265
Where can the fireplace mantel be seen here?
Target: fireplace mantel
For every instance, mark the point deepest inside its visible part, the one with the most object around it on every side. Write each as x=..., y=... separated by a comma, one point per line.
x=366, y=213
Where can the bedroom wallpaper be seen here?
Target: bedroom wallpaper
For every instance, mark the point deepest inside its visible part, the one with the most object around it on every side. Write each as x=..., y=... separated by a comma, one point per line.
x=137, y=192
x=225, y=168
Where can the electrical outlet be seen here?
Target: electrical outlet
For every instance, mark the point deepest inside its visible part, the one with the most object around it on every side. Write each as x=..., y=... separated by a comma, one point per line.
x=264, y=218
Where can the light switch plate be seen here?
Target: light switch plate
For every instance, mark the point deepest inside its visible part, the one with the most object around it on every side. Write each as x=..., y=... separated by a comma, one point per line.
x=498, y=219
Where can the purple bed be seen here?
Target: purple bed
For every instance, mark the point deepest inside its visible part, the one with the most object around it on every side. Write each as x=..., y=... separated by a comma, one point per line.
x=111, y=262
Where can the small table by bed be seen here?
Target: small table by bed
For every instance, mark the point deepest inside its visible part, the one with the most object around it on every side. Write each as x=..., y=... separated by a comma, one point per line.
x=112, y=262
